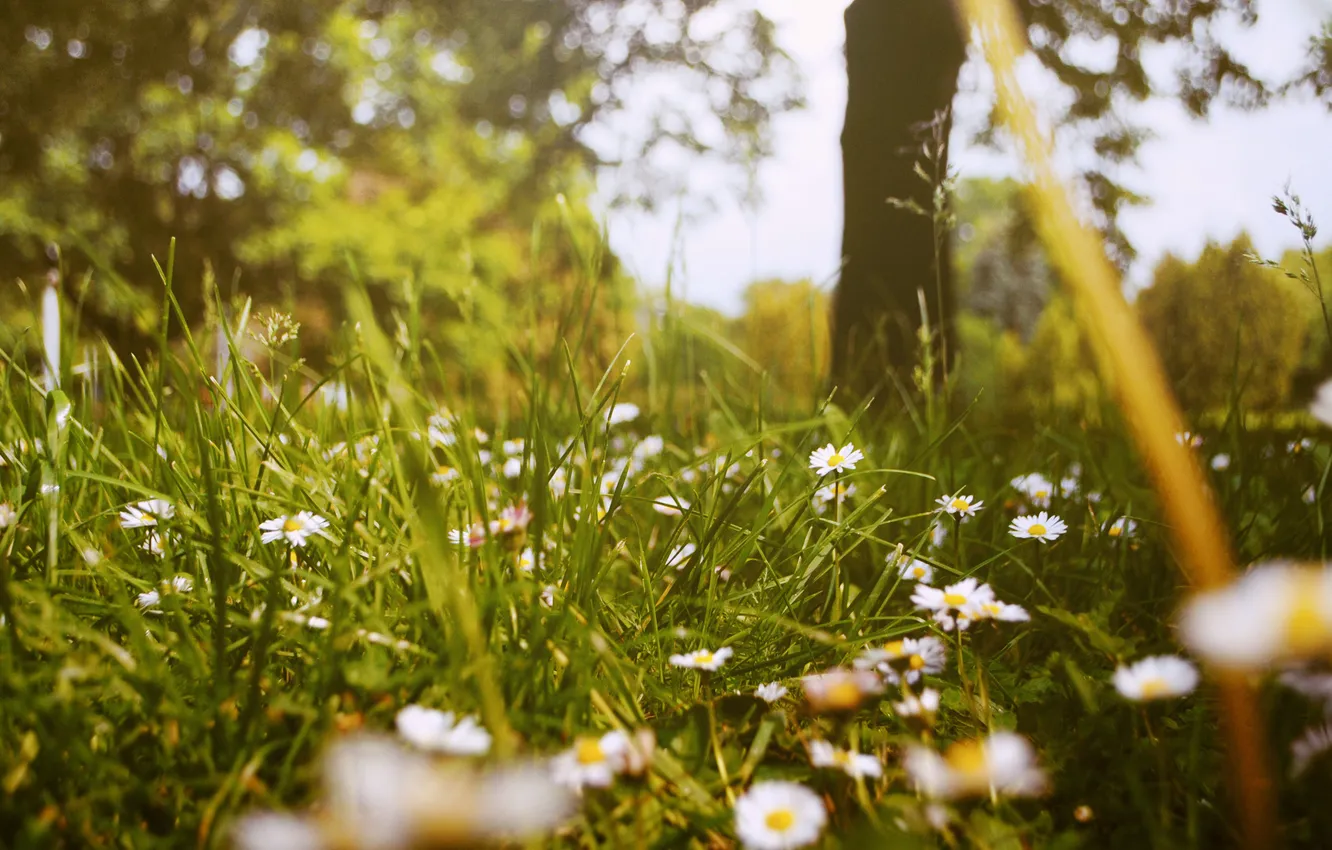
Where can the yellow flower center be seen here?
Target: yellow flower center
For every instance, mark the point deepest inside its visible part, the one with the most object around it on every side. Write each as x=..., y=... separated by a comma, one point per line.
x=589, y=751
x=1042, y=494
x=835, y=459
x=1036, y=530
x=917, y=571
x=703, y=657
x=842, y=696
x=292, y=524
x=967, y=757
x=955, y=600
x=780, y=820
x=1154, y=688
x=1306, y=630
x=894, y=647
x=841, y=758
x=1115, y=530
x=916, y=662
x=960, y=504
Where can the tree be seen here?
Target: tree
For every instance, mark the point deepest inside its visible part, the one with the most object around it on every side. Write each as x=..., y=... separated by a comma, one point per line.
x=1226, y=328
x=903, y=59
x=123, y=125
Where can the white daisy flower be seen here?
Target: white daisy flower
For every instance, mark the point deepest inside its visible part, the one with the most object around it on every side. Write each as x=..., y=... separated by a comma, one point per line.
x=548, y=596
x=511, y=520
x=959, y=505
x=1310, y=495
x=296, y=529
x=1315, y=741
x=649, y=447
x=1188, y=439
x=1003, y=763
x=852, y=763
x=148, y=599
x=442, y=732
x=680, y=555
x=275, y=831
x=703, y=659
x=146, y=514
x=443, y=475
x=527, y=560
x=779, y=816
x=1122, y=527
x=621, y=413
x=914, y=569
x=1311, y=682
x=991, y=609
x=826, y=495
x=513, y=467
x=1043, y=527
x=1300, y=446
x=592, y=761
x=924, y=706
x=514, y=447
x=938, y=534
x=832, y=459
x=154, y=544
x=1221, y=462
x=473, y=537
x=1322, y=404
x=1286, y=612
x=840, y=690
x=951, y=599
x=1157, y=677
x=8, y=516
x=909, y=657
x=1036, y=487
x=771, y=692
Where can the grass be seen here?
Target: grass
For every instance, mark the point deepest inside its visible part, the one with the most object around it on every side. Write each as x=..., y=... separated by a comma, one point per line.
x=131, y=727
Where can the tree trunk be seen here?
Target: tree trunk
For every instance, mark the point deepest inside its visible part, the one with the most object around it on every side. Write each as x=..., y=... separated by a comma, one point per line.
x=903, y=58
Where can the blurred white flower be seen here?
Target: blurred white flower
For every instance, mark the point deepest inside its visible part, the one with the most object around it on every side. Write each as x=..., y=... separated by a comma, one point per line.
x=779, y=816
x=1188, y=439
x=914, y=569
x=592, y=761
x=852, y=763
x=1315, y=741
x=991, y=609
x=442, y=732
x=1036, y=487
x=1322, y=404
x=771, y=692
x=8, y=516
x=826, y=495
x=703, y=659
x=623, y=412
x=513, y=467
x=680, y=555
x=1221, y=461
x=670, y=506
x=649, y=447
x=1122, y=527
x=924, y=706
x=1004, y=764
x=1285, y=611
x=146, y=514
x=839, y=690
x=1157, y=677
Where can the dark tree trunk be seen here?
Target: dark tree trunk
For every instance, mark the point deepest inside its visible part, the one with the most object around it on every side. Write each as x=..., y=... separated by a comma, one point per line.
x=903, y=58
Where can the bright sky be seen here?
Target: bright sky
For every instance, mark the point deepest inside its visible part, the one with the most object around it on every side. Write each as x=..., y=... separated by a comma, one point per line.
x=1207, y=181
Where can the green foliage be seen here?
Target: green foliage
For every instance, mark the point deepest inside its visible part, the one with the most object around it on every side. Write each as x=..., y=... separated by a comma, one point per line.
x=159, y=724
x=1227, y=329
x=785, y=329
x=248, y=134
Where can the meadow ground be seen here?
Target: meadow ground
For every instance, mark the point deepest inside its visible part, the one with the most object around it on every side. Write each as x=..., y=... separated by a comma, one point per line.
x=388, y=618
